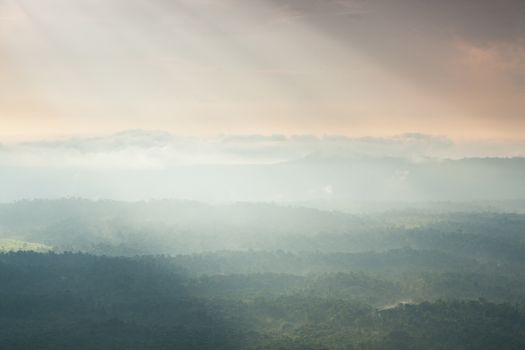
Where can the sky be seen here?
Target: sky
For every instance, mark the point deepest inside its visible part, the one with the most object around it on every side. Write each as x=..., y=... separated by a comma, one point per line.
x=358, y=69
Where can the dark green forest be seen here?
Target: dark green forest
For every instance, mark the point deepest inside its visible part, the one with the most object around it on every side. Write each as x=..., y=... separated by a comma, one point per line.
x=78, y=274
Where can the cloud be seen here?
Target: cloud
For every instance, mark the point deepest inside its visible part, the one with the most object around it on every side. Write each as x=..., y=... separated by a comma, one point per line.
x=292, y=10
x=481, y=21
x=129, y=139
x=503, y=61
x=283, y=148
x=142, y=149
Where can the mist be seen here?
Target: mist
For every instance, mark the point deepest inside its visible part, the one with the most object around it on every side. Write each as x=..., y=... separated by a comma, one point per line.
x=140, y=165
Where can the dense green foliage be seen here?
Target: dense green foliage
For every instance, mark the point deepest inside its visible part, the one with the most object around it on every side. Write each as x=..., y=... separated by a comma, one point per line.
x=182, y=275
x=81, y=301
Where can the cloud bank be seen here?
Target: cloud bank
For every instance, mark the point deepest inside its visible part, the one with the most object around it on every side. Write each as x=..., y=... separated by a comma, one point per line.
x=141, y=149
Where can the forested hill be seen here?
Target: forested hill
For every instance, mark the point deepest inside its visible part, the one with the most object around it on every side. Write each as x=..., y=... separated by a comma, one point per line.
x=183, y=227
x=64, y=301
x=185, y=275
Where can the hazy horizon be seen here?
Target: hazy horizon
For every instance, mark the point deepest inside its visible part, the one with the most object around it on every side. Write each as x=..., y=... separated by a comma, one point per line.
x=322, y=171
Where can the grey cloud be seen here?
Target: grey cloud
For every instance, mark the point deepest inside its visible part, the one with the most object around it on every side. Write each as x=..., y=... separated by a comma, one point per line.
x=254, y=138
x=158, y=149
x=120, y=141
x=481, y=20
x=407, y=145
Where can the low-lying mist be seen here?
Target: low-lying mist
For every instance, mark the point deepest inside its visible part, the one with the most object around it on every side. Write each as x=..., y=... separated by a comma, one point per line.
x=329, y=172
